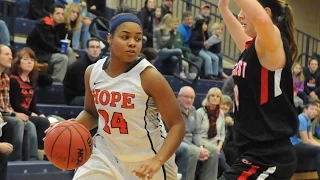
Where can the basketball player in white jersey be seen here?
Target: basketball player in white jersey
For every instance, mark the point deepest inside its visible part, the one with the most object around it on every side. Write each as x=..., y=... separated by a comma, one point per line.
x=124, y=96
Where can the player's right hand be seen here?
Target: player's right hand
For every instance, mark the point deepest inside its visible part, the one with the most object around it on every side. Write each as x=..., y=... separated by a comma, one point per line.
x=223, y=3
x=51, y=125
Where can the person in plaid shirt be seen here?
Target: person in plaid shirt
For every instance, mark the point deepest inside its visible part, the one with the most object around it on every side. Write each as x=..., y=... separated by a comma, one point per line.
x=18, y=121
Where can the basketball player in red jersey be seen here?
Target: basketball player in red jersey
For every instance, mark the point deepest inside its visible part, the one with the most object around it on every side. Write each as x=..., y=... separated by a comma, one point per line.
x=265, y=117
x=124, y=97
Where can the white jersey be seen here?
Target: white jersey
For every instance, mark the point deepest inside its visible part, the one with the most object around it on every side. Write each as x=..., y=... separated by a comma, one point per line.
x=128, y=117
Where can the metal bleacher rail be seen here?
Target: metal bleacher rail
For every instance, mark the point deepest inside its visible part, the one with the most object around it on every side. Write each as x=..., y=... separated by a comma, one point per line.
x=306, y=43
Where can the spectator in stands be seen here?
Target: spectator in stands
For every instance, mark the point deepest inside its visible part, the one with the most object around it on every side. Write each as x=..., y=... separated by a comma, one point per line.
x=182, y=38
x=45, y=39
x=316, y=124
x=146, y=17
x=298, y=81
x=298, y=102
x=157, y=17
x=72, y=19
x=22, y=91
x=166, y=6
x=6, y=148
x=73, y=83
x=197, y=150
x=163, y=43
x=4, y=34
x=227, y=87
x=18, y=121
x=305, y=145
x=212, y=125
x=39, y=9
x=82, y=35
x=214, y=46
x=200, y=48
x=205, y=13
x=312, y=80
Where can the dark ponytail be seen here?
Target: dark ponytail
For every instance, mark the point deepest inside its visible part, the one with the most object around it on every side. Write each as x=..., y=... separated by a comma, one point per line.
x=282, y=17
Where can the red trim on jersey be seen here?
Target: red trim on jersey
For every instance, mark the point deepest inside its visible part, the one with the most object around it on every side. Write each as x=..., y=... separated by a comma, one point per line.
x=264, y=86
x=248, y=43
x=246, y=174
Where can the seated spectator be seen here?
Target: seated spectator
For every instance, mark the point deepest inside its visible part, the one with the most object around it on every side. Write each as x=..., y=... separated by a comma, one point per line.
x=45, y=41
x=181, y=41
x=73, y=83
x=146, y=17
x=157, y=17
x=312, y=80
x=150, y=54
x=198, y=150
x=18, y=121
x=316, y=124
x=303, y=142
x=22, y=91
x=214, y=46
x=199, y=48
x=204, y=13
x=298, y=102
x=72, y=19
x=298, y=81
x=5, y=147
x=39, y=9
x=163, y=43
x=212, y=126
x=4, y=34
x=166, y=6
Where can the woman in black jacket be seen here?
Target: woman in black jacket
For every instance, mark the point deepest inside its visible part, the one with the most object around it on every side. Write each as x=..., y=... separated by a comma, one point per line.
x=146, y=17
x=199, y=48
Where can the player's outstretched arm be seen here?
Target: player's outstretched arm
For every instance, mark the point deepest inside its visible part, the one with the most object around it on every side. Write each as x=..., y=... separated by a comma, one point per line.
x=233, y=25
x=89, y=116
x=155, y=85
x=268, y=42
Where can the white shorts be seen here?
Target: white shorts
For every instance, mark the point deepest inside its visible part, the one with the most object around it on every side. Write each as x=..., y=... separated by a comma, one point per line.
x=102, y=165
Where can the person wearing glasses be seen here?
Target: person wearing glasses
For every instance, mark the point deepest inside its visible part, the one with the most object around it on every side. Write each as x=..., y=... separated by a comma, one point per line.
x=206, y=154
x=73, y=83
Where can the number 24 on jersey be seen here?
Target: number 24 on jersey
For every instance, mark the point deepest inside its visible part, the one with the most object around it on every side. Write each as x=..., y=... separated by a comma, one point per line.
x=117, y=121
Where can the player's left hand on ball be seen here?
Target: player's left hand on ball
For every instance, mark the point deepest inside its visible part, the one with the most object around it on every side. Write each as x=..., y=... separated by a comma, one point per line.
x=148, y=169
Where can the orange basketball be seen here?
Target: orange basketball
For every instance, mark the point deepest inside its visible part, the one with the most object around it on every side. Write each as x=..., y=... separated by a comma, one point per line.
x=68, y=145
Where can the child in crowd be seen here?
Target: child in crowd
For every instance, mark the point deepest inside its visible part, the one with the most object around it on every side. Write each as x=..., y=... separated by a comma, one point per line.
x=298, y=82
x=214, y=46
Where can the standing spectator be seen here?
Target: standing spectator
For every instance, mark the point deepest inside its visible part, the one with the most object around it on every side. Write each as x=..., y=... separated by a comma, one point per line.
x=312, y=80
x=73, y=83
x=166, y=6
x=18, y=121
x=198, y=151
x=4, y=34
x=146, y=18
x=212, y=126
x=22, y=91
x=182, y=38
x=204, y=14
x=39, y=9
x=214, y=46
x=45, y=39
x=199, y=48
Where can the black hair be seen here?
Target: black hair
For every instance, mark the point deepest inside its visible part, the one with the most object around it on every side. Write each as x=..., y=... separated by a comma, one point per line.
x=91, y=39
x=53, y=8
x=198, y=25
